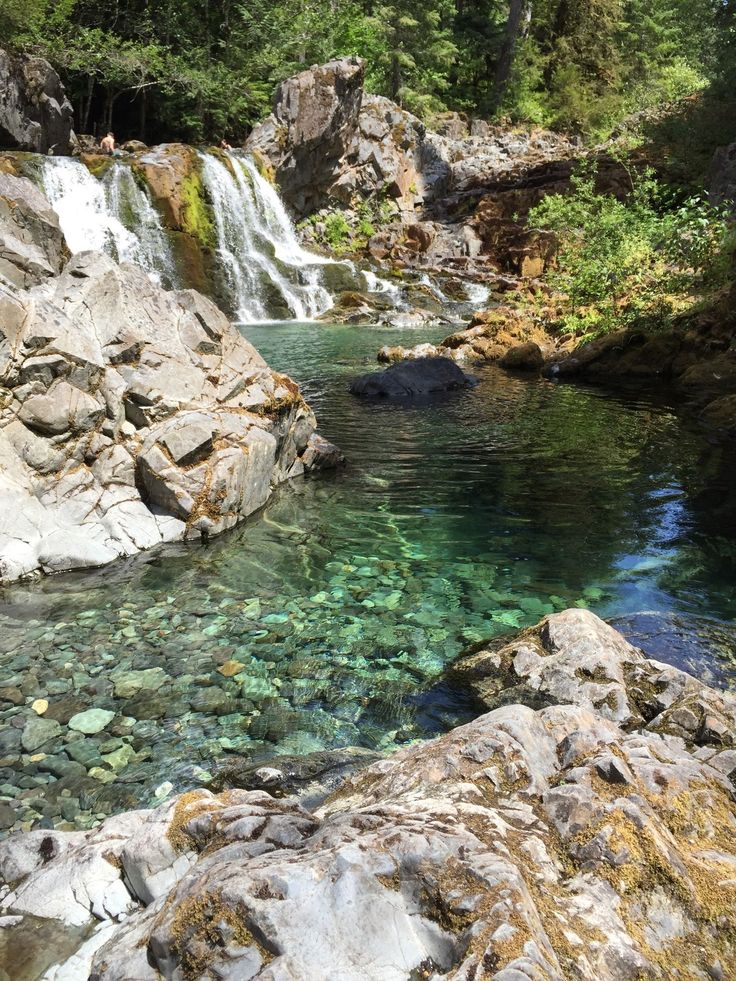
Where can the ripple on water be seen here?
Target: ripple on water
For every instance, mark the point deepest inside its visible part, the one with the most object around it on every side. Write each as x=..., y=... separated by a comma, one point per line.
x=327, y=620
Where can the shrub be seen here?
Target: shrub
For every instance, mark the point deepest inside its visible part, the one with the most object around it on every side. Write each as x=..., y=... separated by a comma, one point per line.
x=632, y=260
x=337, y=230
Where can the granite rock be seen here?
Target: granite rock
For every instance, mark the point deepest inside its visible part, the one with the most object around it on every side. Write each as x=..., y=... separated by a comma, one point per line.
x=589, y=834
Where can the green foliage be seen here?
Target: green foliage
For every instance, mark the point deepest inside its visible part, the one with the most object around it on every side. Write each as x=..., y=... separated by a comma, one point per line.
x=20, y=17
x=415, y=52
x=349, y=231
x=203, y=69
x=337, y=231
x=584, y=66
x=621, y=261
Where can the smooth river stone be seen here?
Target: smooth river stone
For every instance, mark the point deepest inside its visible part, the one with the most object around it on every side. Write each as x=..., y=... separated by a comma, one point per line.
x=37, y=732
x=92, y=721
x=130, y=683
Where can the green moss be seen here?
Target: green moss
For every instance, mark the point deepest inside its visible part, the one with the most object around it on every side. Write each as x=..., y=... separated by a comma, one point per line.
x=264, y=166
x=196, y=210
x=97, y=164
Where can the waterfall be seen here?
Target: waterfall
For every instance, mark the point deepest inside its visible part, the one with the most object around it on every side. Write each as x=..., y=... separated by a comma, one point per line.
x=112, y=213
x=265, y=266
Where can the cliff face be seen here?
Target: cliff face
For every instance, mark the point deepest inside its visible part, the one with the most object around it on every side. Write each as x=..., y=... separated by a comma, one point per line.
x=35, y=113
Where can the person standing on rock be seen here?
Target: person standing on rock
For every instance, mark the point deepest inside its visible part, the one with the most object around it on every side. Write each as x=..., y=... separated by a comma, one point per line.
x=108, y=144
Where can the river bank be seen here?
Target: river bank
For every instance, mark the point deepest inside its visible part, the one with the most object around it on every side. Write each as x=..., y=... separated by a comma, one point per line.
x=592, y=836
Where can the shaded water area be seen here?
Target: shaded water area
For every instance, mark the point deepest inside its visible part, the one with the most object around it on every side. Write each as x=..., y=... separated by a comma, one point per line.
x=327, y=620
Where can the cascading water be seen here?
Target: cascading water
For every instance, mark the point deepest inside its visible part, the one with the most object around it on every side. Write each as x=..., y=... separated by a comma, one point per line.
x=112, y=213
x=265, y=267
x=262, y=272
x=478, y=293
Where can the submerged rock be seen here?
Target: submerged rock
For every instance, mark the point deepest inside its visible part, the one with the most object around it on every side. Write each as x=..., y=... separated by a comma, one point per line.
x=421, y=376
x=585, y=838
x=310, y=777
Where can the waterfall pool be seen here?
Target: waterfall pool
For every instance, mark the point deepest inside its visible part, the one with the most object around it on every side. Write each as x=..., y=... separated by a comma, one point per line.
x=327, y=620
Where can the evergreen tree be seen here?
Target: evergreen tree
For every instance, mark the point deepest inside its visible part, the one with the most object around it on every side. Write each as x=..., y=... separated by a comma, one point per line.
x=417, y=51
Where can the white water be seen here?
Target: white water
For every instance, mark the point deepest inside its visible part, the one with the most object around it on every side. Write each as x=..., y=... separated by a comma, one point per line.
x=264, y=264
x=433, y=288
x=113, y=214
x=265, y=270
x=477, y=293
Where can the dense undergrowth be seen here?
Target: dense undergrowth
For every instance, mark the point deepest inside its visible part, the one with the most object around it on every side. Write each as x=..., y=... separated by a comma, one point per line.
x=638, y=260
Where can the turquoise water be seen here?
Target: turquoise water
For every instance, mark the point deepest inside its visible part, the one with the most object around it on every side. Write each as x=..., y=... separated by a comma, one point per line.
x=327, y=620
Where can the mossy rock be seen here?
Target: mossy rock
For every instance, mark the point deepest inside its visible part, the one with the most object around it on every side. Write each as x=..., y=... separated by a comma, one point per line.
x=22, y=163
x=173, y=174
x=98, y=164
x=264, y=166
x=196, y=211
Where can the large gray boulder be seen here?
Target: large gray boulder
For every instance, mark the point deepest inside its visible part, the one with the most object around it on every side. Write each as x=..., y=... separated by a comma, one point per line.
x=133, y=416
x=32, y=245
x=35, y=113
x=304, y=139
x=590, y=837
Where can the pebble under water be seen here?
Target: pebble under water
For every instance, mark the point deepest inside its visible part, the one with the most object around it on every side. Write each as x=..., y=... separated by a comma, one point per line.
x=327, y=620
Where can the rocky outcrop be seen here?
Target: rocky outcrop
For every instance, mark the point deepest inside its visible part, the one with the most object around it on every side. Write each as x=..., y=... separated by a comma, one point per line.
x=696, y=357
x=35, y=113
x=385, y=156
x=505, y=334
x=307, y=134
x=130, y=416
x=586, y=834
x=327, y=144
x=32, y=246
x=420, y=376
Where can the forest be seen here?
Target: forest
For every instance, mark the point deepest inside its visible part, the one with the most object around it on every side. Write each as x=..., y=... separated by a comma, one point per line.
x=201, y=69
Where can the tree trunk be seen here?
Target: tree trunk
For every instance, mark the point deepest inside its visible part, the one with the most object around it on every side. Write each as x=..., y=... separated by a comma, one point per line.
x=87, y=103
x=517, y=11
x=110, y=99
x=395, y=77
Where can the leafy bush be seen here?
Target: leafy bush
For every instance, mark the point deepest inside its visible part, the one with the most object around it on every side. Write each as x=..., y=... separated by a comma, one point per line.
x=337, y=230
x=678, y=80
x=621, y=261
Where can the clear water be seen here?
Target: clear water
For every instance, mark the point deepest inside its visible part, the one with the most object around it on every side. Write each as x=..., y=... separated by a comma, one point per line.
x=344, y=600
